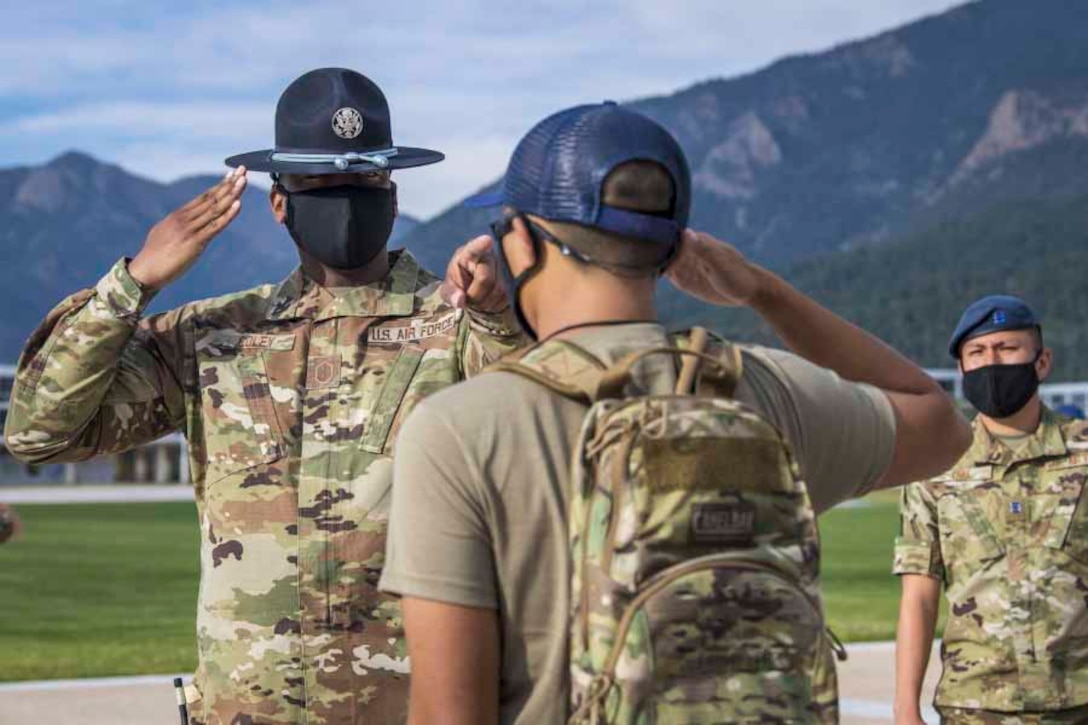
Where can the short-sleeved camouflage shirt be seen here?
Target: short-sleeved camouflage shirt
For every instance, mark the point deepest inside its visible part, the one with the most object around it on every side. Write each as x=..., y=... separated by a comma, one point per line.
x=1007, y=533
x=291, y=397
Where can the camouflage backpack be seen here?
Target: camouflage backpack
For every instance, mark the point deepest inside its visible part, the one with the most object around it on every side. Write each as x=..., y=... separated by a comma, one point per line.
x=694, y=593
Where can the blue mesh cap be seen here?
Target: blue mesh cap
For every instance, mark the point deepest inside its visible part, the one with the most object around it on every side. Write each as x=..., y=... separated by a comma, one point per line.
x=558, y=171
x=991, y=314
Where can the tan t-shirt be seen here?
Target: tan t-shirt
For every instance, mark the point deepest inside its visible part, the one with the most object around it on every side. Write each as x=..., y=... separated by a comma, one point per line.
x=479, y=512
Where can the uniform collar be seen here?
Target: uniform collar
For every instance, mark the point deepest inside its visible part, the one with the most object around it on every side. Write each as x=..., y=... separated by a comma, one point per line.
x=1046, y=442
x=298, y=296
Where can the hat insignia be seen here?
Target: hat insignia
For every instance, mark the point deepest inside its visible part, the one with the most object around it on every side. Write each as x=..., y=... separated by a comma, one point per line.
x=347, y=123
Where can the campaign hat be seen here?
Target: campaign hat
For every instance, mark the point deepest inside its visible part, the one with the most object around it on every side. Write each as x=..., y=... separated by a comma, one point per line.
x=333, y=121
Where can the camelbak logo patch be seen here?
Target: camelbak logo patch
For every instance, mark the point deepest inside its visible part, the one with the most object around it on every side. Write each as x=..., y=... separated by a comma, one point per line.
x=733, y=522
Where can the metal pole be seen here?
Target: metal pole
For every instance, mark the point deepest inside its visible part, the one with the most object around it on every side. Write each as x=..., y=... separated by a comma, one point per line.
x=162, y=464
x=183, y=462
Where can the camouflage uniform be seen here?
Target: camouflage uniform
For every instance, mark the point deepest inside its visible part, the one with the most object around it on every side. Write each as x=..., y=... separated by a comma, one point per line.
x=291, y=398
x=1007, y=533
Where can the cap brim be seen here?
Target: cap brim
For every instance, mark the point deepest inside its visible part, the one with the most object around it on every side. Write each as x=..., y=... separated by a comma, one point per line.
x=484, y=200
x=407, y=157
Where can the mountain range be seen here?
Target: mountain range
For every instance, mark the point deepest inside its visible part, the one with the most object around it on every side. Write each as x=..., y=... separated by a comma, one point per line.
x=881, y=137
x=881, y=152
x=64, y=223
x=894, y=178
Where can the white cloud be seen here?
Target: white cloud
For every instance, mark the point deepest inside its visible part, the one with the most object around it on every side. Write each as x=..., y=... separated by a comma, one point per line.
x=167, y=163
x=163, y=88
x=144, y=119
x=471, y=162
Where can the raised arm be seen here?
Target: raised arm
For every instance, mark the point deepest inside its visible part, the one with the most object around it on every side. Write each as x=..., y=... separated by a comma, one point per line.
x=931, y=434
x=95, y=378
x=490, y=329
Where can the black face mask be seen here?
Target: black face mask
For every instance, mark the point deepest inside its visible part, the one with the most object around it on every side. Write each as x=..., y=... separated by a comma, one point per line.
x=999, y=391
x=511, y=283
x=343, y=227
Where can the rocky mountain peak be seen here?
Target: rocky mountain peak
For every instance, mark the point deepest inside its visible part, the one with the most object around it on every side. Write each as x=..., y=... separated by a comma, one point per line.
x=732, y=167
x=75, y=161
x=1025, y=119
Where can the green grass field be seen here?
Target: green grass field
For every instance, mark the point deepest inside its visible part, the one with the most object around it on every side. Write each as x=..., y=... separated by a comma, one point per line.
x=860, y=593
x=110, y=589
x=95, y=590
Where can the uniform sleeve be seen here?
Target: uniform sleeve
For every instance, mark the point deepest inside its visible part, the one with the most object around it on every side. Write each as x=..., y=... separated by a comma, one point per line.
x=95, y=379
x=485, y=338
x=438, y=546
x=842, y=433
x=918, y=548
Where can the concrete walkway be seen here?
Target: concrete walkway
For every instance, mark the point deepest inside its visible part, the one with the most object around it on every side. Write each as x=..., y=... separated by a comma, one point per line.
x=865, y=682
x=108, y=701
x=121, y=492
x=95, y=493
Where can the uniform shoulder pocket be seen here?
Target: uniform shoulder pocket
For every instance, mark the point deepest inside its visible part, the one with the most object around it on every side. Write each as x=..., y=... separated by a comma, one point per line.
x=967, y=508
x=1068, y=527
x=397, y=381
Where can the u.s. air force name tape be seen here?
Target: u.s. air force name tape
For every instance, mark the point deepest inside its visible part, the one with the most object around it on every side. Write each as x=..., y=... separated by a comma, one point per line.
x=415, y=330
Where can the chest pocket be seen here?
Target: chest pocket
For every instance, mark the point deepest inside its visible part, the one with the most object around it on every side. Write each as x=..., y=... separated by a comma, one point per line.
x=241, y=427
x=391, y=403
x=967, y=510
x=1068, y=527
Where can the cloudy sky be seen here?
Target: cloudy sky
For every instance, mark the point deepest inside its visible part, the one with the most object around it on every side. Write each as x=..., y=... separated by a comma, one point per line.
x=167, y=89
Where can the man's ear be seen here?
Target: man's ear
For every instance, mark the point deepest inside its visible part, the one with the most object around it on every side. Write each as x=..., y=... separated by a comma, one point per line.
x=518, y=247
x=278, y=200
x=1045, y=364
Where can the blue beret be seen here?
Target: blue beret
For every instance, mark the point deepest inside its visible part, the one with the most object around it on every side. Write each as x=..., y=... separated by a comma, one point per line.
x=1070, y=411
x=991, y=314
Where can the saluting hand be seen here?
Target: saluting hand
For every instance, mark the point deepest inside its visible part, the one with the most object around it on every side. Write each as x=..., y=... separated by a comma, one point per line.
x=178, y=240
x=714, y=271
x=472, y=278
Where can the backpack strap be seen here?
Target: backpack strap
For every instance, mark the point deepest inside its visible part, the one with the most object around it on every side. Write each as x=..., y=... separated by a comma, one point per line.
x=685, y=381
x=716, y=346
x=709, y=373
x=711, y=367
x=558, y=365
x=715, y=386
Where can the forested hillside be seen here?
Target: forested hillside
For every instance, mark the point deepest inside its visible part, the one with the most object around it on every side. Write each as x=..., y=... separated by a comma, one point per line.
x=912, y=292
